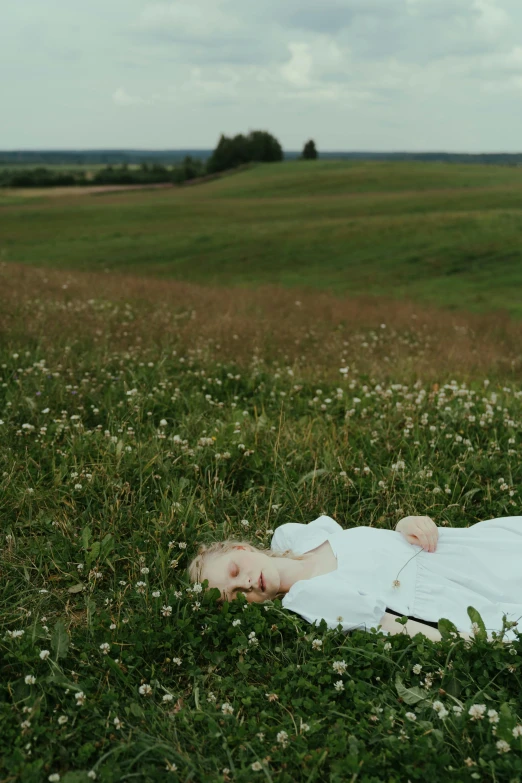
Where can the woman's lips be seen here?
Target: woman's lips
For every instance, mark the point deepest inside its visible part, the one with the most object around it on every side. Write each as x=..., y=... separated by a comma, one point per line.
x=261, y=582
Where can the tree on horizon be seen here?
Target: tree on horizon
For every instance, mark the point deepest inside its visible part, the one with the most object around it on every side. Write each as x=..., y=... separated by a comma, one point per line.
x=309, y=151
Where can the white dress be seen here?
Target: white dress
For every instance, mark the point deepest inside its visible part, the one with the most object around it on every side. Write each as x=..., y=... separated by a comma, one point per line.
x=479, y=566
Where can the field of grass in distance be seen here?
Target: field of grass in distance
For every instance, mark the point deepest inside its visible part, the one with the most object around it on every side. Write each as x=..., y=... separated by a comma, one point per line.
x=140, y=417
x=440, y=233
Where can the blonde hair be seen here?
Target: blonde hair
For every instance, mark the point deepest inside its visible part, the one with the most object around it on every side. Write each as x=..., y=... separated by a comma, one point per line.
x=206, y=551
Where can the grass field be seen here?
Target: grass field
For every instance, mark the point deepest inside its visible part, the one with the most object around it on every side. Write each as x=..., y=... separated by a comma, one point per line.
x=139, y=417
x=444, y=234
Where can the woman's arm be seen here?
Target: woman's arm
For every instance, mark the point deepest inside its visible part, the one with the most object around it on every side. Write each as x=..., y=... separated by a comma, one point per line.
x=411, y=628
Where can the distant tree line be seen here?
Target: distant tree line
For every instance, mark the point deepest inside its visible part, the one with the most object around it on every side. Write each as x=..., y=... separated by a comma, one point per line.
x=230, y=153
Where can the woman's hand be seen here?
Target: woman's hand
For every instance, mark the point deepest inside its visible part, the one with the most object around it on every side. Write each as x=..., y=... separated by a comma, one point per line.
x=421, y=531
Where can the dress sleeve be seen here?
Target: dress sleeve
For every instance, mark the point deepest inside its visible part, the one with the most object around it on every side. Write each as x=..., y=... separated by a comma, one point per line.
x=337, y=602
x=289, y=535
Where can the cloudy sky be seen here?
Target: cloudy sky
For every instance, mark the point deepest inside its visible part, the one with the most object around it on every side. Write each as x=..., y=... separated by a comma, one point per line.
x=352, y=74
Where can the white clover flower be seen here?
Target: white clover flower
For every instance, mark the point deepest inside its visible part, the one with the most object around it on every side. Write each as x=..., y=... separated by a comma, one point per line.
x=503, y=746
x=156, y=594
x=30, y=679
x=25, y=724
x=91, y=774
x=118, y=724
x=236, y=623
x=245, y=523
x=317, y=644
x=339, y=685
x=517, y=731
x=256, y=766
x=44, y=654
x=493, y=716
x=54, y=778
x=339, y=666
x=167, y=697
x=177, y=661
x=477, y=711
x=411, y=716
x=166, y=611
x=170, y=767
x=282, y=737
x=62, y=720
x=197, y=588
x=112, y=626
x=211, y=697
x=182, y=545
x=387, y=646
x=145, y=690
x=457, y=709
x=140, y=587
x=144, y=570
x=105, y=647
x=417, y=668
x=226, y=708
x=163, y=423
x=15, y=634
x=304, y=726
x=178, y=594
x=80, y=698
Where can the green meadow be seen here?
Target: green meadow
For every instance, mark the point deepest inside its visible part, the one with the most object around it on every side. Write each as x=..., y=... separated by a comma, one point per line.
x=444, y=234
x=142, y=413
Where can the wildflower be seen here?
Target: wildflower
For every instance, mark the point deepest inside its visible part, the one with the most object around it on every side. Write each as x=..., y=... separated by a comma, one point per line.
x=211, y=697
x=62, y=720
x=182, y=544
x=477, y=711
x=457, y=709
x=177, y=661
x=304, y=726
x=54, y=778
x=282, y=737
x=91, y=774
x=411, y=716
x=469, y=762
x=317, y=644
x=272, y=696
x=144, y=570
x=196, y=606
x=235, y=623
x=166, y=611
x=167, y=697
x=105, y=647
x=339, y=685
x=15, y=634
x=387, y=646
x=339, y=666
x=163, y=423
x=503, y=746
x=140, y=587
x=25, y=724
x=112, y=626
x=30, y=679
x=256, y=766
x=493, y=716
x=227, y=709
x=517, y=731
x=156, y=594
x=260, y=735
x=80, y=698
x=145, y=690
x=170, y=767
x=178, y=594
x=417, y=668
x=197, y=588
x=118, y=724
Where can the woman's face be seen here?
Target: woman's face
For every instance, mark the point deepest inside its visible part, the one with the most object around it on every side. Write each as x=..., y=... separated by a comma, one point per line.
x=243, y=570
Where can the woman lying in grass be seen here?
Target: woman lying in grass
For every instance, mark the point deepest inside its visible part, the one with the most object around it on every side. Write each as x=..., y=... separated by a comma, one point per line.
x=364, y=577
